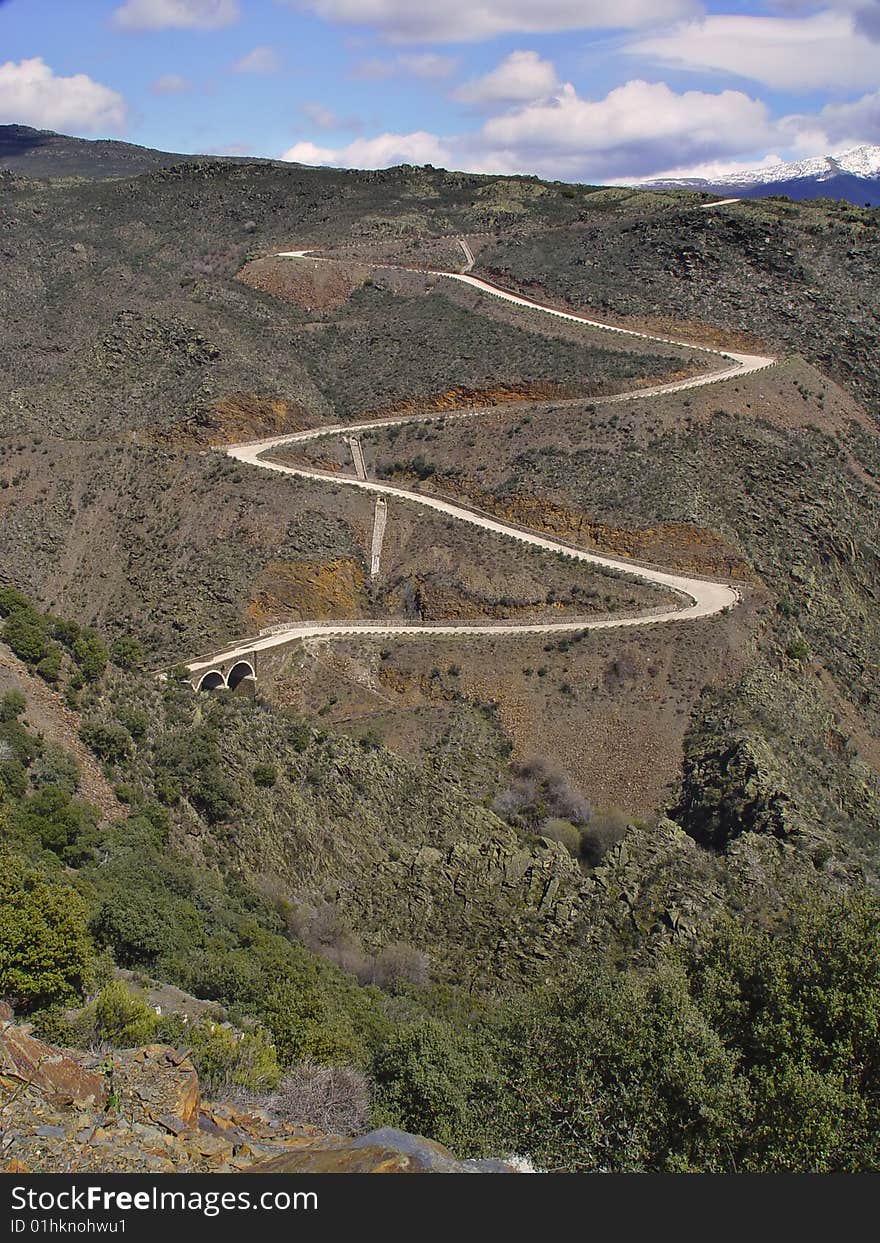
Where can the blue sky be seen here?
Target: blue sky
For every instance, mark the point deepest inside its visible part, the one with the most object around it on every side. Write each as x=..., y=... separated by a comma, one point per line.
x=576, y=89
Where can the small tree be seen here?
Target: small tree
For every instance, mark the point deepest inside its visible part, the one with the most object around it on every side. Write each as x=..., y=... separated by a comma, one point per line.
x=45, y=951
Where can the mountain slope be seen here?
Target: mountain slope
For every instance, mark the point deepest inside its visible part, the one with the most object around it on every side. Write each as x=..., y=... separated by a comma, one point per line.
x=853, y=175
x=42, y=153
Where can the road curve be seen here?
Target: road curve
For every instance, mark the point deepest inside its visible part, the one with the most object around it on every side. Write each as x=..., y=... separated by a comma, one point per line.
x=699, y=597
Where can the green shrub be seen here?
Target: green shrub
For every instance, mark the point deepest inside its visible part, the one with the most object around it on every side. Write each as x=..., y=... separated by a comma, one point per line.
x=90, y=654
x=111, y=743
x=12, y=601
x=58, y=823
x=12, y=705
x=116, y=1017
x=49, y=668
x=563, y=831
x=225, y=1057
x=27, y=635
x=126, y=652
x=45, y=951
x=436, y=1081
x=55, y=767
x=265, y=775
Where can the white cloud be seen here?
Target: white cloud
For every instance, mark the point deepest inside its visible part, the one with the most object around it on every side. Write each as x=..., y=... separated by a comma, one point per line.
x=822, y=51
x=379, y=152
x=837, y=126
x=171, y=84
x=635, y=129
x=32, y=94
x=259, y=60
x=176, y=14
x=520, y=78
x=461, y=21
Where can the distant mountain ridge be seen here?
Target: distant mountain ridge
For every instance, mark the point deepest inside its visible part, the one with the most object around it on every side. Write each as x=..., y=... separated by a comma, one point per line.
x=853, y=175
x=41, y=153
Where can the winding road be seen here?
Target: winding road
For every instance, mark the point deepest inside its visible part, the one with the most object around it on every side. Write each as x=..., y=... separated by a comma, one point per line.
x=700, y=598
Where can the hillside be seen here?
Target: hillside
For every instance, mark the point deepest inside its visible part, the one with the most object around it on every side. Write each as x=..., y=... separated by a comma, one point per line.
x=43, y=154
x=484, y=870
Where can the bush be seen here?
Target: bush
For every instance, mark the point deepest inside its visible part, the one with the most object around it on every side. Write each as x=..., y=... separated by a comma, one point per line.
x=224, y=1057
x=90, y=654
x=126, y=652
x=401, y=963
x=563, y=831
x=49, y=668
x=432, y=1079
x=335, y=1099
x=265, y=775
x=26, y=634
x=116, y=1017
x=55, y=767
x=12, y=601
x=110, y=743
x=45, y=951
x=605, y=830
x=58, y=823
x=12, y=705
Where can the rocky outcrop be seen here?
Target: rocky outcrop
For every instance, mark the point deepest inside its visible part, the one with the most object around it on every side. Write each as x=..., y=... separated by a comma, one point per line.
x=732, y=787
x=140, y=1111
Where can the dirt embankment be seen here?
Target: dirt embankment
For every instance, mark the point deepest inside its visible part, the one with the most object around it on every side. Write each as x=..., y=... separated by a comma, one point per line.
x=314, y=287
x=49, y=717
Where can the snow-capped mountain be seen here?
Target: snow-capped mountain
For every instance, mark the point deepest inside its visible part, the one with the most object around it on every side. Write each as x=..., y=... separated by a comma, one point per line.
x=853, y=175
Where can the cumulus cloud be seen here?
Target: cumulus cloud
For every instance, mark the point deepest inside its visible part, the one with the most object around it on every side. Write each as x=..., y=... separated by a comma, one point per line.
x=822, y=51
x=259, y=60
x=520, y=78
x=460, y=21
x=837, y=126
x=379, y=152
x=32, y=94
x=171, y=84
x=635, y=129
x=176, y=14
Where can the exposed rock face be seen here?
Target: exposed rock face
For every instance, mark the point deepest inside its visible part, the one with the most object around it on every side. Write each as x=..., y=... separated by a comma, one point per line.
x=140, y=1111
x=385, y=1151
x=519, y=904
x=48, y=1070
x=734, y=789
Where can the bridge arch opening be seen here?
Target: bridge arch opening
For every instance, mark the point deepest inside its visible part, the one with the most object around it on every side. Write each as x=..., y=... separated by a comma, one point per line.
x=239, y=673
x=212, y=681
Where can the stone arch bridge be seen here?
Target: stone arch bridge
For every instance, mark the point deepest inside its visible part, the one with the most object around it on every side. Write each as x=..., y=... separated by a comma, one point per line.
x=225, y=676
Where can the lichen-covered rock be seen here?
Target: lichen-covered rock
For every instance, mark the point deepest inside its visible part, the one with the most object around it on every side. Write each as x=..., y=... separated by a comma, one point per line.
x=733, y=788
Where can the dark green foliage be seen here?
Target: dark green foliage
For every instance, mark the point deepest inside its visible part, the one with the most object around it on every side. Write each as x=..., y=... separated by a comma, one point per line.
x=111, y=743
x=265, y=775
x=45, y=952
x=439, y=1081
x=12, y=704
x=49, y=668
x=802, y=1012
x=127, y=652
x=57, y=822
x=27, y=634
x=90, y=654
x=12, y=601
